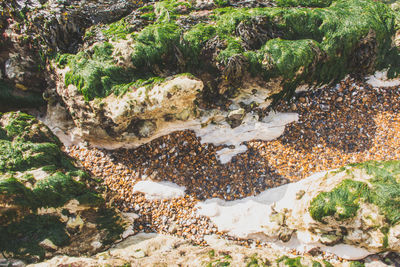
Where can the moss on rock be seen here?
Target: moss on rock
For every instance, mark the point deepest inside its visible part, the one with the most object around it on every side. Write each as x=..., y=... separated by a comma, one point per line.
x=382, y=190
x=301, y=44
x=37, y=182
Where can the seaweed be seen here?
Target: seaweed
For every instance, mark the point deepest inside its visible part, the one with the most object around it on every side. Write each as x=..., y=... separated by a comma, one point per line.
x=315, y=45
x=22, y=238
x=343, y=201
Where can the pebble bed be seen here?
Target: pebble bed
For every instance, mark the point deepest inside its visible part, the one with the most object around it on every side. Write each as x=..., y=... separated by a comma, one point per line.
x=339, y=125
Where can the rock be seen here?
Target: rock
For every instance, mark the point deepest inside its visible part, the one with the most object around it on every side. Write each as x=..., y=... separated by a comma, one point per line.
x=137, y=114
x=62, y=223
x=48, y=244
x=12, y=263
x=330, y=239
x=128, y=232
x=325, y=216
x=235, y=117
x=146, y=128
x=76, y=222
x=173, y=228
x=96, y=245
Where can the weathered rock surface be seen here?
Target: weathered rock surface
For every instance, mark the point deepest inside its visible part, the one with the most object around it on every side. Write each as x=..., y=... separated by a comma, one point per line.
x=225, y=48
x=134, y=115
x=162, y=250
x=47, y=205
x=32, y=30
x=352, y=212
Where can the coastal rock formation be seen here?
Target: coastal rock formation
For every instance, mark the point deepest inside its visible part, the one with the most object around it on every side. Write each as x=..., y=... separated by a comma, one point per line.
x=164, y=250
x=352, y=212
x=47, y=205
x=226, y=47
x=135, y=114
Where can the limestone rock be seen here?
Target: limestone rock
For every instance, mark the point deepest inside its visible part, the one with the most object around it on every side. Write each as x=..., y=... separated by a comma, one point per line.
x=136, y=114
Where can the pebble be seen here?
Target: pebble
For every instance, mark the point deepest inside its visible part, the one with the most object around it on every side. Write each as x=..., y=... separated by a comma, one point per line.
x=347, y=123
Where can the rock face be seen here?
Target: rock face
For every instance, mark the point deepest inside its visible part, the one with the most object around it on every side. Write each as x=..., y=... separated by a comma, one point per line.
x=32, y=31
x=47, y=205
x=136, y=114
x=224, y=47
x=352, y=212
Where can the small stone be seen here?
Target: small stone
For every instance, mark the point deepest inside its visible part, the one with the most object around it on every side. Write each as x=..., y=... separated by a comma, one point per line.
x=76, y=222
x=184, y=115
x=330, y=239
x=96, y=245
x=235, y=117
x=146, y=128
x=300, y=194
x=48, y=245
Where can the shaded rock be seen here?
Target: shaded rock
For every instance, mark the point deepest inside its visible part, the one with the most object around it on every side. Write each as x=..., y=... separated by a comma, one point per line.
x=48, y=245
x=47, y=205
x=236, y=117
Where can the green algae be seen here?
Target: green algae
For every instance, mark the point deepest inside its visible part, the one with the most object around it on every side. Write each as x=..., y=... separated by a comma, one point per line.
x=168, y=10
x=291, y=262
x=304, y=3
x=56, y=190
x=109, y=220
x=94, y=75
x=21, y=156
x=118, y=30
x=22, y=227
x=344, y=200
x=22, y=238
x=303, y=45
x=22, y=127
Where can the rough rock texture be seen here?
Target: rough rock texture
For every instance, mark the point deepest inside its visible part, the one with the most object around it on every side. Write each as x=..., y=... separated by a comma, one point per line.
x=136, y=114
x=33, y=31
x=47, y=205
x=161, y=250
x=224, y=45
x=355, y=205
x=352, y=212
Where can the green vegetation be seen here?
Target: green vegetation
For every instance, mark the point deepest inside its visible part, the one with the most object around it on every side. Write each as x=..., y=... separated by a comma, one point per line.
x=291, y=262
x=314, y=45
x=23, y=237
x=297, y=262
x=356, y=264
x=304, y=3
x=27, y=145
x=110, y=221
x=118, y=30
x=344, y=200
x=255, y=261
x=220, y=260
